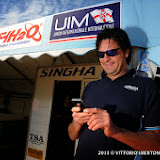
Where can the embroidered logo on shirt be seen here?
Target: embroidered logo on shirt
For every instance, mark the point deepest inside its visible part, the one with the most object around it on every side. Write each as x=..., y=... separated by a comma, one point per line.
x=132, y=88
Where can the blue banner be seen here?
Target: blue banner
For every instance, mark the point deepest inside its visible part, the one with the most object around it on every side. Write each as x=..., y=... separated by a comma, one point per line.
x=85, y=23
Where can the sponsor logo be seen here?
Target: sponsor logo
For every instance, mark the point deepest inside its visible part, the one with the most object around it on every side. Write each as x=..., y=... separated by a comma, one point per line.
x=22, y=35
x=68, y=71
x=102, y=15
x=84, y=23
x=34, y=153
x=131, y=88
x=36, y=139
x=30, y=32
x=69, y=22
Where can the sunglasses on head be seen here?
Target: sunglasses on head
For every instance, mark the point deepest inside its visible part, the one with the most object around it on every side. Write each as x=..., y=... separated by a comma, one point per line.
x=112, y=52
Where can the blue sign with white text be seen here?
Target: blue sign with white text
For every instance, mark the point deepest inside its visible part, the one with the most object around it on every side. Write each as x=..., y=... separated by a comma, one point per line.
x=85, y=23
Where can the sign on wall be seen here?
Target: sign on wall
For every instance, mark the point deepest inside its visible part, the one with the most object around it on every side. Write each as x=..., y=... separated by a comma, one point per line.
x=85, y=23
x=22, y=35
x=42, y=103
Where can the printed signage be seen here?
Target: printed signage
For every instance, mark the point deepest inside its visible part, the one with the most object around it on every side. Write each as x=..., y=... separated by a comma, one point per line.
x=68, y=71
x=34, y=153
x=36, y=139
x=22, y=35
x=85, y=23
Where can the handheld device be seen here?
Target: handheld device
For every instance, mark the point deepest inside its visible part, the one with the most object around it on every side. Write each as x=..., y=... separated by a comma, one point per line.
x=78, y=102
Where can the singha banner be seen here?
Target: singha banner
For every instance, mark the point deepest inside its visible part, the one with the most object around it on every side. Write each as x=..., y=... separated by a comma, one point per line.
x=85, y=23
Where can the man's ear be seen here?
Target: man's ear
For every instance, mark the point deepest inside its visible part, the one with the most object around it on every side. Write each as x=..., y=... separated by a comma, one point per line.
x=126, y=53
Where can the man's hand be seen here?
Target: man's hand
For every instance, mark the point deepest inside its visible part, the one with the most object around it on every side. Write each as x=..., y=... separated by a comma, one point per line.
x=80, y=117
x=100, y=119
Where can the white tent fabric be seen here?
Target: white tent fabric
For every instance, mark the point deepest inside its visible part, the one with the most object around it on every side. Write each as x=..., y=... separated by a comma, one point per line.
x=33, y=38
x=77, y=51
x=139, y=19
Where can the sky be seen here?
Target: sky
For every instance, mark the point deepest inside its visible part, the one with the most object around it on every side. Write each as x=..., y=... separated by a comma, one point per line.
x=17, y=11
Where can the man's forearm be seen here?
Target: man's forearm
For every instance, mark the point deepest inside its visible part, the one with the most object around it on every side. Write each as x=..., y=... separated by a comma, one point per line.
x=144, y=140
x=73, y=130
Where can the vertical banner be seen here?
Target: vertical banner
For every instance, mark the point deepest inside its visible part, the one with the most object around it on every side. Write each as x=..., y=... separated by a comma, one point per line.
x=38, y=133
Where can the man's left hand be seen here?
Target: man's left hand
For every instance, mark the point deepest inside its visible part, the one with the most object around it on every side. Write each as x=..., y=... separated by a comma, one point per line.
x=100, y=119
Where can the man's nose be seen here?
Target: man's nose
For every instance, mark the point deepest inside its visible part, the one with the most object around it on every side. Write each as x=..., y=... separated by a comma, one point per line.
x=106, y=57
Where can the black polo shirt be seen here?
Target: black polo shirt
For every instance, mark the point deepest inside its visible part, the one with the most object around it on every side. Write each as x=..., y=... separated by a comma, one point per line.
x=126, y=98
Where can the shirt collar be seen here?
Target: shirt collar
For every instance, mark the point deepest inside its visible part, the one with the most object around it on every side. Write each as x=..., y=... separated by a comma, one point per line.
x=129, y=73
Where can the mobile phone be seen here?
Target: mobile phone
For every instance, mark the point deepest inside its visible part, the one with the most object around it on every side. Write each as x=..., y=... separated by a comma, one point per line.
x=78, y=102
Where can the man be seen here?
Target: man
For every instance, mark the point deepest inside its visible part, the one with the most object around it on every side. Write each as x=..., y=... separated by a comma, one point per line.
x=115, y=106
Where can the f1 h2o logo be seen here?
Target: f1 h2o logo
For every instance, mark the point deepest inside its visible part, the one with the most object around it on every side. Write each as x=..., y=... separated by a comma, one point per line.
x=31, y=32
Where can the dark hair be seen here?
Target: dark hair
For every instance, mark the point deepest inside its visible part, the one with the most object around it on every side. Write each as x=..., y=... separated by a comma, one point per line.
x=118, y=35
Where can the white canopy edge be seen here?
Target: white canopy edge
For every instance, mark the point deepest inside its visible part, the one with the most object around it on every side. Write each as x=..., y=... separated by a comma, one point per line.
x=54, y=53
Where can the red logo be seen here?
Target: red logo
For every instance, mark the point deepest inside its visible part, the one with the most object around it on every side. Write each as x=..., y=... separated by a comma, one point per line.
x=31, y=32
x=102, y=15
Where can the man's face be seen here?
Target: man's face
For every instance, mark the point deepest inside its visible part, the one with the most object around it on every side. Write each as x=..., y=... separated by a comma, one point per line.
x=114, y=66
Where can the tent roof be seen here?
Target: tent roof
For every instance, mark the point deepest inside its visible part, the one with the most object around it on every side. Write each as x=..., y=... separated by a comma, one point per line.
x=141, y=26
x=17, y=77
x=74, y=31
x=54, y=53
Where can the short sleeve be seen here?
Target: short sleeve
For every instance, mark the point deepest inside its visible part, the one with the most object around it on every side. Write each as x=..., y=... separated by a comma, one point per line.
x=85, y=93
x=151, y=120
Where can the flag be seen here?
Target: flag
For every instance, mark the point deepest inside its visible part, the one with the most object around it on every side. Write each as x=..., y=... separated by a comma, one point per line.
x=102, y=15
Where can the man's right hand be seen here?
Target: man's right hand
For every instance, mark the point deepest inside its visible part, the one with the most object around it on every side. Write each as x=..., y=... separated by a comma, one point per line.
x=80, y=117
